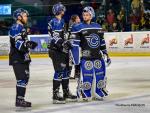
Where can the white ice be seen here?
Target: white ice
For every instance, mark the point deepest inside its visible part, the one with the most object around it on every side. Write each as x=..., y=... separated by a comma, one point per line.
x=128, y=85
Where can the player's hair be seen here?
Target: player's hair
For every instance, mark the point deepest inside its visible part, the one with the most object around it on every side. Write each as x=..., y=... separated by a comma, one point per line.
x=73, y=18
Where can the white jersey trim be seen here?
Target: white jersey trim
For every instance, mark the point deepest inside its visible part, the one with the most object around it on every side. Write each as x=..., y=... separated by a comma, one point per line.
x=86, y=29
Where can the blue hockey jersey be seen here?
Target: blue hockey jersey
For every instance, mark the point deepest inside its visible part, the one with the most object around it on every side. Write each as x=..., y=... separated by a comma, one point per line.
x=19, y=53
x=90, y=38
x=56, y=32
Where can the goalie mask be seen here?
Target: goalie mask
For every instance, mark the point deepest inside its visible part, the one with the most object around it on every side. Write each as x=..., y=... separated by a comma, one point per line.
x=89, y=10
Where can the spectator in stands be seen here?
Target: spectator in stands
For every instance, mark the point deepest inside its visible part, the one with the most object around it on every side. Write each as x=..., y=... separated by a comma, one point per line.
x=145, y=21
x=94, y=4
x=136, y=10
x=135, y=20
x=115, y=5
x=100, y=13
x=110, y=19
x=136, y=6
x=121, y=17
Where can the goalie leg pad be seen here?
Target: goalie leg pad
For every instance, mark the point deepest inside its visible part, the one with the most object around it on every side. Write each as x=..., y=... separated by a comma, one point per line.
x=85, y=80
x=99, y=82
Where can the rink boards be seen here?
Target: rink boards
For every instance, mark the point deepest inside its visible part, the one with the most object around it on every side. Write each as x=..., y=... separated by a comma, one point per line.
x=118, y=44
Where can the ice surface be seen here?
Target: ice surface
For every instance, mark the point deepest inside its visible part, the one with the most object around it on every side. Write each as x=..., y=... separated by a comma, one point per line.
x=128, y=85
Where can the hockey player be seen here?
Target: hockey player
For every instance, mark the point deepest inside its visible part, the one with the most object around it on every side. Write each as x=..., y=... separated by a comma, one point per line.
x=19, y=57
x=89, y=36
x=74, y=21
x=59, y=53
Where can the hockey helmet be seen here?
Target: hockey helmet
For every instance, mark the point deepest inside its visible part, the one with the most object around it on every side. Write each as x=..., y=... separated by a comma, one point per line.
x=18, y=12
x=57, y=8
x=89, y=10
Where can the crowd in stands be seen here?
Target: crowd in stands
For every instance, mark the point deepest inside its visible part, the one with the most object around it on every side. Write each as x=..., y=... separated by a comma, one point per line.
x=112, y=15
x=119, y=17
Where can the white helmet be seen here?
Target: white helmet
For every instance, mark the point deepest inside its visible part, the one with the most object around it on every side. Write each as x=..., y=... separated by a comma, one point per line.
x=89, y=10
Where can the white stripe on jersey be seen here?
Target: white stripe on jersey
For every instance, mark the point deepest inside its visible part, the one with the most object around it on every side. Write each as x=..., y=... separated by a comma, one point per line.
x=86, y=29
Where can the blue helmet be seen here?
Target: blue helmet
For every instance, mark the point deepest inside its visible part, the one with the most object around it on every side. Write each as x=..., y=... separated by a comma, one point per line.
x=57, y=8
x=89, y=10
x=18, y=12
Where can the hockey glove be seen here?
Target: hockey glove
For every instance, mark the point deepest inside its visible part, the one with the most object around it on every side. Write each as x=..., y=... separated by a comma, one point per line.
x=51, y=44
x=59, y=44
x=66, y=46
x=31, y=44
x=107, y=60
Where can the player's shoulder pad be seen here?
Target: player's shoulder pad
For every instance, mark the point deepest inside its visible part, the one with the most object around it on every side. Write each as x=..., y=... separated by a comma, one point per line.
x=50, y=23
x=56, y=24
x=55, y=20
x=62, y=20
x=76, y=27
x=94, y=24
x=15, y=30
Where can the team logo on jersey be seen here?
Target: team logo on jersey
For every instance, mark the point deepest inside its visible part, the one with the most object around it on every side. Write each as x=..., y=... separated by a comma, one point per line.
x=97, y=64
x=88, y=65
x=86, y=85
x=101, y=84
x=93, y=40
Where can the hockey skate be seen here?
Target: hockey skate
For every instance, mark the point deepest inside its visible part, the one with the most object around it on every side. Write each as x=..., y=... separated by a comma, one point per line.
x=22, y=103
x=57, y=99
x=69, y=97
